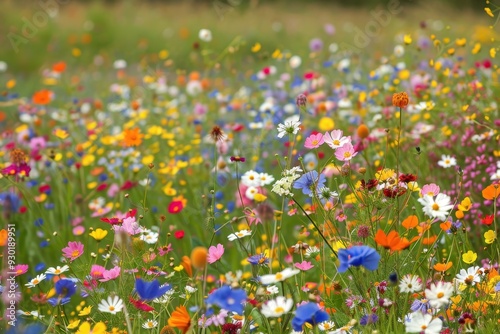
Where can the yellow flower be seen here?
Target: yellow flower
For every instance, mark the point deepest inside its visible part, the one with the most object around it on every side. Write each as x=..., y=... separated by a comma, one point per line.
x=256, y=47
x=490, y=236
x=99, y=328
x=407, y=39
x=259, y=197
x=85, y=311
x=469, y=257
x=60, y=133
x=99, y=234
x=73, y=324
x=179, y=267
x=488, y=11
x=326, y=124
x=465, y=205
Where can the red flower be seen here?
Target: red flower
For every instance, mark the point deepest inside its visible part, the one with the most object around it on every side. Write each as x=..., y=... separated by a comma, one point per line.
x=44, y=189
x=140, y=305
x=127, y=185
x=175, y=207
x=487, y=220
x=406, y=178
x=179, y=234
x=112, y=220
x=102, y=187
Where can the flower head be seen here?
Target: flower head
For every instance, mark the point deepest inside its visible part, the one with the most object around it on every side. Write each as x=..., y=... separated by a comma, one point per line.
x=228, y=299
x=277, y=307
x=111, y=305
x=150, y=290
x=215, y=253
x=308, y=313
x=439, y=294
x=358, y=256
x=400, y=100
x=73, y=251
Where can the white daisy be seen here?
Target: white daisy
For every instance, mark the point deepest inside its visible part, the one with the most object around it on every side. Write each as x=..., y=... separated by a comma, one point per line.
x=265, y=179
x=251, y=192
x=238, y=235
x=277, y=307
x=447, y=161
x=57, y=271
x=438, y=207
x=250, y=179
x=205, y=35
x=272, y=289
x=326, y=325
x=149, y=237
x=35, y=281
x=279, y=276
x=336, y=139
x=439, y=294
x=290, y=127
x=150, y=323
x=410, y=283
x=112, y=305
x=471, y=276
x=423, y=323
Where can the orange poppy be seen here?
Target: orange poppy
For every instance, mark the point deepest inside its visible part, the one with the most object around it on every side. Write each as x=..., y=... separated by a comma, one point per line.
x=445, y=226
x=429, y=240
x=391, y=241
x=443, y=266
x=59, y=67
x=186, y=263
x=410, y=222
x=43, y=97
x=492, y=191
x=132, y=137
x=180, y=319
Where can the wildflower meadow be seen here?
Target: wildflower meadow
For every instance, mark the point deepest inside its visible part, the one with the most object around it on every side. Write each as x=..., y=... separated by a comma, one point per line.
x=344, y=180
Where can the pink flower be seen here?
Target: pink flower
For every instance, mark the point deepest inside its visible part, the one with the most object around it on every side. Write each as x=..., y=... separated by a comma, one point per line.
x=165, y=249
x=314, y=141
x=73, y=251
x=346, y=152
x=252, y=217
x=304, y=265
x=215, y=253
x=430, y=189
x=96, y=271
x=336, y=139
x=20, y=269
x=129, y=225
x=111, y=274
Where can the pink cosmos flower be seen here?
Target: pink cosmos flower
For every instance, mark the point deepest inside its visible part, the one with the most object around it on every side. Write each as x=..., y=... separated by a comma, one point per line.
x=346, y=152
x=430, y=189
x=304, y=265
x=129, y=225
x=165, y=249
x=252, y=217
x=314, y=141
x=336, y=139
x=73, y=251
x=215, y=253
x=20, y=269
x=96, y=271
x=111, y=274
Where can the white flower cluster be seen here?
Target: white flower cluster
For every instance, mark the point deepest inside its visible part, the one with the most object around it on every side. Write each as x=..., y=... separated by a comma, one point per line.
x=283, y=186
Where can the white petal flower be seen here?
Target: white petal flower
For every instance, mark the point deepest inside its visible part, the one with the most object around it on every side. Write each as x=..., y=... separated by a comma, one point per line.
x=112, y=305
x=277, y=307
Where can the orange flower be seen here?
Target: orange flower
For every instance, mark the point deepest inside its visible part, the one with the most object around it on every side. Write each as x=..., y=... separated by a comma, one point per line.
x=180, y=319
x=132, y=137
x=186, y=263
x=3, y=237
x=410, y=222
x=59, y=67
x=363, y=131
x=445, y=226
x=199, y=257
x=43, y=96
x=430, y=240
x=400, y=100
x=391, y=241
x=443, y=266
x=492, y=191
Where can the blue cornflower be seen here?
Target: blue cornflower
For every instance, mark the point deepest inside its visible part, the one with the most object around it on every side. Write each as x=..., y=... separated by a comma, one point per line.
x=65, y=288
x=150, y=290
x=368, y=319
x=310, y=313
x=310, y=181
x=358, y=256
x=258, y=259
x=228, y=299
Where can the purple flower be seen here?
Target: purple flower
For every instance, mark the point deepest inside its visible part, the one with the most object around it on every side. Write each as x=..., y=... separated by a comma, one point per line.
x=316, y=45
x=420, y=305
x=228, y=299
x=368, y=319
x=358, y=256
x=309, y=180
x=150, y=290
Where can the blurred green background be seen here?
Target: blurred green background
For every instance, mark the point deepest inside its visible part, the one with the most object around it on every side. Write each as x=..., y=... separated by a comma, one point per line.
x=34, y=34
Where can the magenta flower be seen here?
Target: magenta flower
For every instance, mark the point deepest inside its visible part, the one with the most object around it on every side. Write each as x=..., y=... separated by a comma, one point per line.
x=96, y=271
x=215, y=253
x=346, y=152
x=20, y=269
x=314, y=141
x=252, y=217
x=304, y=265
x=73, y=251
x=111, y=274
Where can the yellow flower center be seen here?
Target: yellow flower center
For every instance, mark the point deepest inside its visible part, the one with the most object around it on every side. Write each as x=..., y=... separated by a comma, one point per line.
x=111, y=308
x=347, y=154
x=336, y=142
x=279, y=309
x=440, y=295
x=435, y=207
x=75, y=253
x=279, y=276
